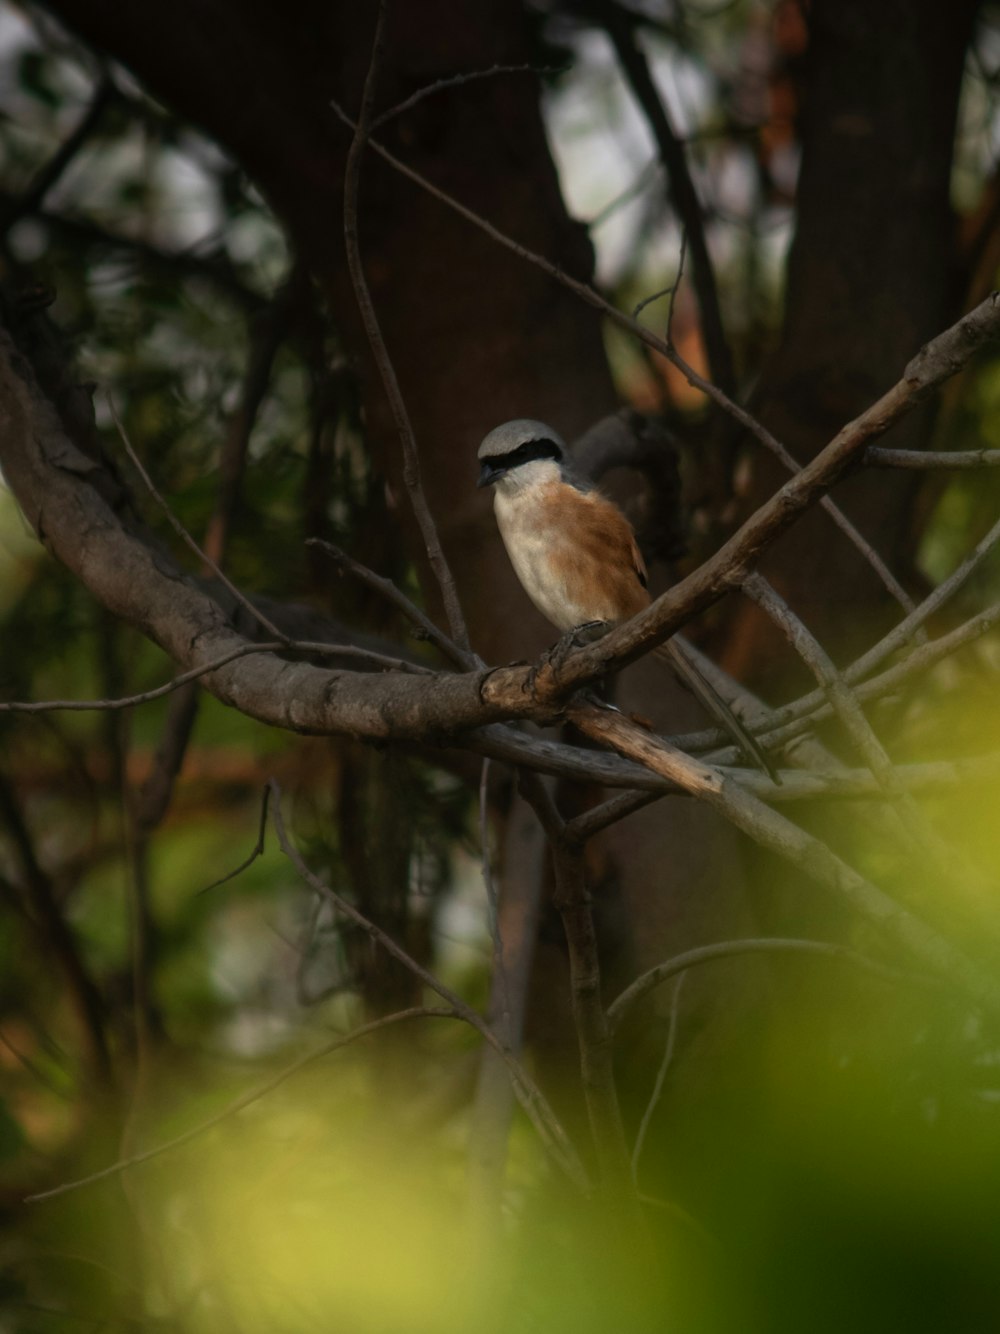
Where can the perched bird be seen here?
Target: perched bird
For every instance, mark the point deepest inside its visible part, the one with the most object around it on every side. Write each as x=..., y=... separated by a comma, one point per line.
x=575, y=552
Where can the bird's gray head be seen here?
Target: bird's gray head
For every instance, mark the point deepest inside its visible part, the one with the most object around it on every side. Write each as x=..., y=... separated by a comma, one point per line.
x=515, y=444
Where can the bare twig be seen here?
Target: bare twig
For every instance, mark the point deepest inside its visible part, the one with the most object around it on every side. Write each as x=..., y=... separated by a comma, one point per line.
x=522, y=884
x=897, y=637
x=18, y=206
x=56, y=936
x=789, y=841
x=256, y=851
x=268, y=329
x=661, y=1076
x=593, y=1036
x=529, y=1095
x=633, y=61
x=243, y=651
x=878, y=457
x=609, y=812
x=789, y=721
x=411, y=457
x=634, y=188
x=183, y=533
x=646, y=982
x=458, y=81
x=388, y=590
x=502, y=1017
x=245, y=1100
x=788, y=461
x=812, y=704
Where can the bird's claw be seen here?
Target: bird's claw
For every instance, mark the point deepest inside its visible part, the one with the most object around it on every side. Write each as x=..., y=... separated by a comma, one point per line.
x=573, y=639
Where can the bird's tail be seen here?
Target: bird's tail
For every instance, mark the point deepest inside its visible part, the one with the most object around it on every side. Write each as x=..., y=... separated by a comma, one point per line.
x=673, y=653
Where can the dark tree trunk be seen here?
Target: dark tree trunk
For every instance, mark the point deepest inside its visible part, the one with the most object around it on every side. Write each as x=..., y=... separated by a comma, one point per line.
x=871, y=276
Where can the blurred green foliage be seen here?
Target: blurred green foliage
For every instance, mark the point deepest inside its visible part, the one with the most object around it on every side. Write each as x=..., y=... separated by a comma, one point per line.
x=852, y=1182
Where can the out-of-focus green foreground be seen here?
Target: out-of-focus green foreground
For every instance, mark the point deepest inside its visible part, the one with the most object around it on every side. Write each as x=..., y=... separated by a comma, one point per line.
x=831, y=1164
x=852, y=1180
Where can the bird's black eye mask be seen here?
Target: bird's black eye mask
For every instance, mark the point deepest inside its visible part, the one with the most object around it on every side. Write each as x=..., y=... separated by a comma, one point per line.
x=531, y=450
x=494, y=468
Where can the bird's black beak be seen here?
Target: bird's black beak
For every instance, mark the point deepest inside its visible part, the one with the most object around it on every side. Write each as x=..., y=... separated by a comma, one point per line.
x=489, y=473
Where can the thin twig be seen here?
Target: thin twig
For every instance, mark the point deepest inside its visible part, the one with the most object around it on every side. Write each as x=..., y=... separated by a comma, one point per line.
x=256, y=851
x=813, y=703
x=789, y=721
x=661, y=1077
x=772, y=830
x=388, y=590
x=632, y=59
x=670, y=291
x=492, y=905
x=646, y=982
x=244, y=650
x=530, y=1096
x=593, y=1037
x=789, y=462
x=636, y=187
x=411, y=458
x=31, y=199
x=183, y=533
x=458, y=81
x=919, y=839
x=878, y=456
x=58, y=938
x=244, y=1100
x=609, y=812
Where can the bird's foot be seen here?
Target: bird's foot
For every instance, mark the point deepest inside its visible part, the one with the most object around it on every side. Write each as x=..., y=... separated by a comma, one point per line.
x=580, y=635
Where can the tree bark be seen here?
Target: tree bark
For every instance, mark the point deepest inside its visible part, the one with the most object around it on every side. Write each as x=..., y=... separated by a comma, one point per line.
x=871, y=275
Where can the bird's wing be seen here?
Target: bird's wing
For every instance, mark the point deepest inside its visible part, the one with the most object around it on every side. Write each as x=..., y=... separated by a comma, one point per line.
x=592, y=559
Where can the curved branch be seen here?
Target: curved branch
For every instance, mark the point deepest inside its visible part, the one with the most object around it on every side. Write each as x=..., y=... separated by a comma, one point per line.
x=729, y=949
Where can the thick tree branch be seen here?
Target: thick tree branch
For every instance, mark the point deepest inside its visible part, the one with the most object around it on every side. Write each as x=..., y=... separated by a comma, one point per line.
x=124, y=571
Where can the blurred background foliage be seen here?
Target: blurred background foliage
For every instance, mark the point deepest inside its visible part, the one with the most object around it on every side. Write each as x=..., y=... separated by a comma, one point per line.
x=337, y=1201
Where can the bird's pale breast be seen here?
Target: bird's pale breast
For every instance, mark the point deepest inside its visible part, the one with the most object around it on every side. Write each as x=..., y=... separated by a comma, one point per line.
x=573, y=552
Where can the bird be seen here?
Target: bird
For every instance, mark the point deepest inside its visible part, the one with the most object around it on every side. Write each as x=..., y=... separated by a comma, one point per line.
x=575, y=553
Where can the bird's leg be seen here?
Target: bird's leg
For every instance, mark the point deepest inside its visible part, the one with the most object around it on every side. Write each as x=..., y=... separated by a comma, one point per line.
x=572, y=639
x=580, y=635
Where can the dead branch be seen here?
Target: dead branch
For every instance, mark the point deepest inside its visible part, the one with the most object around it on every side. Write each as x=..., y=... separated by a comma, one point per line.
x=780, y=835
x=878, y=457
